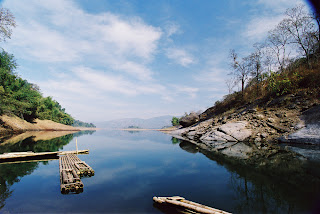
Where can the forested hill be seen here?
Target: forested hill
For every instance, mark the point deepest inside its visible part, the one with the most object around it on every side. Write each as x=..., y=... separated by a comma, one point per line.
x=78, y=123
x=24, y=99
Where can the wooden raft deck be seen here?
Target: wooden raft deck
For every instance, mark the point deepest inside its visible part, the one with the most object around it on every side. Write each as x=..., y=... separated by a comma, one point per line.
x=81, y=167
x=71, y=168
x=184, y=206
x=22, y=156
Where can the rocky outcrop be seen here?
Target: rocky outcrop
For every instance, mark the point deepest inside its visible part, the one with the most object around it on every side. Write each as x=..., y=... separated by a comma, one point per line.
x=189, y=120
x=257, y=127
x=308, y=129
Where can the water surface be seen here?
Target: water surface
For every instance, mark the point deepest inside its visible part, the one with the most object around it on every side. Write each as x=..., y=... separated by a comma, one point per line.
x=132, y=167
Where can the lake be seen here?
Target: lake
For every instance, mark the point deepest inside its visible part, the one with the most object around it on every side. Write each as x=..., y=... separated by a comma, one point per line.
x=132, y=167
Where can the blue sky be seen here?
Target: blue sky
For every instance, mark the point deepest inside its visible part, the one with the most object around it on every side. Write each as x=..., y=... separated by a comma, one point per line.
x=105, y=60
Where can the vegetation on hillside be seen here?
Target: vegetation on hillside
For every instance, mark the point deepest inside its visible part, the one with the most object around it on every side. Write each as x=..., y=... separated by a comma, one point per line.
x=270, y=71
x=23, y=99
x=18, y=96
x=78, y=123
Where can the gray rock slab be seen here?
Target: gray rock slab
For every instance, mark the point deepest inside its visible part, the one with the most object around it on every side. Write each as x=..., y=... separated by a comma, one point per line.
x=307, y=135
x=236, y=130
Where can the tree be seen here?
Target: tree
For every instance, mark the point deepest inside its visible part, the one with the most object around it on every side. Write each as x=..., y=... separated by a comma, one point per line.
x=6, y=23
x=277, y=42
x=175, y=121
x=240, y=69
x=301, y=28
x=230, y=84
x=255, y=64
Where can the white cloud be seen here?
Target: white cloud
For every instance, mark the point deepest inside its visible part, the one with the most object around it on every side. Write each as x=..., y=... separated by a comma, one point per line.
x=267, y=19
x=67, y=33
x=172, y=28
x=279, y=5
x=180, y=56
x=190, y=91
x=258, y=27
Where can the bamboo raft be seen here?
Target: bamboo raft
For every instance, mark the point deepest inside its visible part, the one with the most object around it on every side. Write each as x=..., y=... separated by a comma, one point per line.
x=69, y=179
x=184, y=206
x=81, y=167
x=71, y=168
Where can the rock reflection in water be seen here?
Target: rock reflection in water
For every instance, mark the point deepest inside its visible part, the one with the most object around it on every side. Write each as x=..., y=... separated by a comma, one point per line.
x=268, y=190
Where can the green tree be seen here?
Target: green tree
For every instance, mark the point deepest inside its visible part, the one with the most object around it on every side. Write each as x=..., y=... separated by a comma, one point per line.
x=175, y=121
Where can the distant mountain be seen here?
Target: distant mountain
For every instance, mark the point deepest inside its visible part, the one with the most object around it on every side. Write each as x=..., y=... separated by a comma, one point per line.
x=152, y=123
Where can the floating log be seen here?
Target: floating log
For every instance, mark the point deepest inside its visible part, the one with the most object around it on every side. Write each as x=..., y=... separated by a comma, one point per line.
x=188, y=205
x=19, y=156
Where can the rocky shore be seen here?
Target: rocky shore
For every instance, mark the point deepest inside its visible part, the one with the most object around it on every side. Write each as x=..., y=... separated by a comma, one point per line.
x=253, y=131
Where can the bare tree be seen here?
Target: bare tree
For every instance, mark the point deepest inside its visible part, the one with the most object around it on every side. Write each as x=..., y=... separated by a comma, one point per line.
x=240, y=69
x=6, y=23
x=255, y=64
x=301, y=28
x=230, y=84
x=316, y=18
x=277, y=42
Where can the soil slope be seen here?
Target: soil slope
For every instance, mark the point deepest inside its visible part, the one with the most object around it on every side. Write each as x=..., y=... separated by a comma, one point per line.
x=15, y=124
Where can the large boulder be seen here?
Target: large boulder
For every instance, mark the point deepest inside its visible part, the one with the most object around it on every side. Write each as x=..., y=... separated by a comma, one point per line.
x=189, y=120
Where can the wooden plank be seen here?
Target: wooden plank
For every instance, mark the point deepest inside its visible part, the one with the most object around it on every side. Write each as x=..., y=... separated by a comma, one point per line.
x=192, y=206
x=29, y=154
x=29, y=161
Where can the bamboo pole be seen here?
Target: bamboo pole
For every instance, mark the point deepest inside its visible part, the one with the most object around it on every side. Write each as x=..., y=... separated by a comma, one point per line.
x=77, y=145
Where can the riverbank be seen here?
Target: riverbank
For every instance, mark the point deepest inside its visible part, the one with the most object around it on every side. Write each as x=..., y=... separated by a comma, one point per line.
x=14, y=124
x=253, y=132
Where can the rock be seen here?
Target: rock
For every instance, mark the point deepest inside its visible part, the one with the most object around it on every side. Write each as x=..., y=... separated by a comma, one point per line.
x=264, y=135
x=191, y=134
x=279, y=115
x=259, y=117
x=278, y=128
x=292, y=106
x=271, y=120
x=189, y=120
x=236, y=130
x=299, y=126
x=218, y=136
x=257, y=139
x=253, y=110
x=306, y=135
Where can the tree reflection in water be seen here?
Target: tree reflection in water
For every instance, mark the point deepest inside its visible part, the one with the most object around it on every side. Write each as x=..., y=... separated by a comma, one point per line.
x=12, y=173
x=265, y=190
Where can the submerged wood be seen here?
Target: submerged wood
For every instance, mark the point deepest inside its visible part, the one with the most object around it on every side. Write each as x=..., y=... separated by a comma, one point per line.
x=192, y=206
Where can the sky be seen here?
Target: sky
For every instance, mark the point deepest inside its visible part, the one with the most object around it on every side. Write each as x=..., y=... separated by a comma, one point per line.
x=111, y=59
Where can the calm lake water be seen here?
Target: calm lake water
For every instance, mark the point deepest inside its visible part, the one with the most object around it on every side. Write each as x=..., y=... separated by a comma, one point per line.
x=132, y=167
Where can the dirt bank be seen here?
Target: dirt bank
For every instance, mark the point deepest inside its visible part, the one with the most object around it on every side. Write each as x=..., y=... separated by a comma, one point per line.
x=14, y=124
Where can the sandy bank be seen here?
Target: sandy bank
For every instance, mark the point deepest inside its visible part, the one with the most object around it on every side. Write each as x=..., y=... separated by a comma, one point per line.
x=15, y=124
